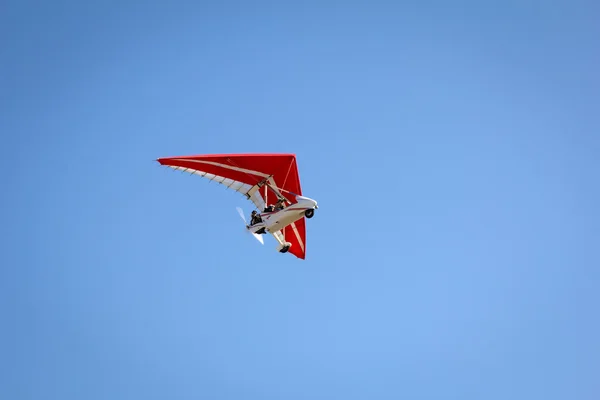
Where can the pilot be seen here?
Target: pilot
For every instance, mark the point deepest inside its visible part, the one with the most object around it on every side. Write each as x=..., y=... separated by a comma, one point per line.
x=280, y=205
x=255, y=218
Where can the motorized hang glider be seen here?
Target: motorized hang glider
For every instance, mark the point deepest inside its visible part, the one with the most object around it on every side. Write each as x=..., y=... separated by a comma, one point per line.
x=264, y=179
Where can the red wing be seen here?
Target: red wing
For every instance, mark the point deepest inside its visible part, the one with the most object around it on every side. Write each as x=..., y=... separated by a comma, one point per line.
x=296, y=234
x=242, y=172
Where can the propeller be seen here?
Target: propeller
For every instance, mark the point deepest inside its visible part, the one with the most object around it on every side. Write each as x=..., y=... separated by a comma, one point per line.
x=257, y=236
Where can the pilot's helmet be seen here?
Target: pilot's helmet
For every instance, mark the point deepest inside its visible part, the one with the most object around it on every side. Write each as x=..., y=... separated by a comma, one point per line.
x=253, y=212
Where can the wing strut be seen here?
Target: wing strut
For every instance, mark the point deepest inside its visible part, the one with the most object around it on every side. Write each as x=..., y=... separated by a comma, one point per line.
x=275, y=189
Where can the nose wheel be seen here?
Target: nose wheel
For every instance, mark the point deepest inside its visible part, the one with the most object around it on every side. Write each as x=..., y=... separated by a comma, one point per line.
x=309, y=213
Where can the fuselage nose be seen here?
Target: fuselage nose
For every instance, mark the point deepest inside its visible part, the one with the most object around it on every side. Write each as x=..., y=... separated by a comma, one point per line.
x=307, y=201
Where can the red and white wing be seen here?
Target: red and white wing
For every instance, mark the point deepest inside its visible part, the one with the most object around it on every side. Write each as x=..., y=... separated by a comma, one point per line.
x=295, y=234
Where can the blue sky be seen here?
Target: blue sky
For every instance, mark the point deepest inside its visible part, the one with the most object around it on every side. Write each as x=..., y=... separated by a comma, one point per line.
x=453, y=149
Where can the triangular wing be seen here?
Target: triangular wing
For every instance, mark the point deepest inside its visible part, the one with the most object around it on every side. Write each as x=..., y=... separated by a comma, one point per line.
x=295, y=233
x=245, y=173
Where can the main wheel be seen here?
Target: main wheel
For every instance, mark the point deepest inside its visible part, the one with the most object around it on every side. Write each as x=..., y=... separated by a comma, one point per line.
x=309, y=213
x=284, y=249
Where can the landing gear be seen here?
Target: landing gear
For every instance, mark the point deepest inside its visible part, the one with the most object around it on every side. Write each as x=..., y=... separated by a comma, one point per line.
x=309, y=213
x=283, y=246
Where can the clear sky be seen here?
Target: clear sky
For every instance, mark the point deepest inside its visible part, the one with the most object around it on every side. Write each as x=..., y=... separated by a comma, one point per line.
x=453, y=148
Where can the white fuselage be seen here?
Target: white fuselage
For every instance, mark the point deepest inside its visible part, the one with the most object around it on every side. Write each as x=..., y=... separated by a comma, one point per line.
x=277, y=220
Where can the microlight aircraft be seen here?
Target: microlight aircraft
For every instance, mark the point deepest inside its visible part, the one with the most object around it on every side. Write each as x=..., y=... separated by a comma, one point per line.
x=270, y=181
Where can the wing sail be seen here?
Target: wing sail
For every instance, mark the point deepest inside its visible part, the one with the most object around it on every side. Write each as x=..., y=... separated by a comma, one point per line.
x=244, y=188
x=295, y=233
x=245, y=173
